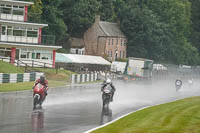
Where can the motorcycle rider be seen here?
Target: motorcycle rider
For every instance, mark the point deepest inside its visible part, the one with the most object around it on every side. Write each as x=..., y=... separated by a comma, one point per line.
x=42, y=80
x=178, y=82
x=109, y=82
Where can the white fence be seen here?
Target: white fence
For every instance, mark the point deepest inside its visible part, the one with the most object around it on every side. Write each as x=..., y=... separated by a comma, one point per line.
x=16, y=77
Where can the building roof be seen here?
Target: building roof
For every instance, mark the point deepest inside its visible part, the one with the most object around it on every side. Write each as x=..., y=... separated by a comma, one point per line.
x=22, y=23
x=142, y=59
x=76, y=42
x=18, y=2
x=29, y=45
x=81, y=59
x=111, y=29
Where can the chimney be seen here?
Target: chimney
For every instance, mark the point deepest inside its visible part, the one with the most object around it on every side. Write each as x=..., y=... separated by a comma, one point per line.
x=97, y=18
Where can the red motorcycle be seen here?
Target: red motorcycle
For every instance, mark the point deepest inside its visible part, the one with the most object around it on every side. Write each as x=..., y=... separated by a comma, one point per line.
x=38, y=95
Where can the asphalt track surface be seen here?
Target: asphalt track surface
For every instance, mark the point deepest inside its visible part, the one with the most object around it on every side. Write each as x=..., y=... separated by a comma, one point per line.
x=78, y=108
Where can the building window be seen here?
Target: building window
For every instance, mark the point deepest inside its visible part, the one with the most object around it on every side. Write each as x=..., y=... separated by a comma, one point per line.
x=45, y=56
x=23, y=55
x=120, y=54
x=9, y=30
x=116, y=41
x=5, y=52
x=6, y=10
x=123, y=54
x=76, y=51
x=121, y=41
x=124, y=42
x=12, y=9
x=33, y=55
x=18, y=10
x=19, y=32
x=37, y=55
x=32, y=32
x=112, y=41
x=110, y=53
x=3, y=30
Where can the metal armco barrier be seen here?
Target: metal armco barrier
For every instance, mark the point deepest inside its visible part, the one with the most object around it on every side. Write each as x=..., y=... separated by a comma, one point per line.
x=81, y=78
x=15, y=78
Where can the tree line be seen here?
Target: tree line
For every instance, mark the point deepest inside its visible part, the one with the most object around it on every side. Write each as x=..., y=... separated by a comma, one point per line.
x=166, y=31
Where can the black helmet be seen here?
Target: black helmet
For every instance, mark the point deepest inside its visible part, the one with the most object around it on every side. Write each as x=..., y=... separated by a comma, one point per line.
x=42, y=78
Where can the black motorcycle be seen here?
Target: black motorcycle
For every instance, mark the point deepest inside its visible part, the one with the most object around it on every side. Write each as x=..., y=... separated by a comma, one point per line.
x=106, y=96
x=178, y=85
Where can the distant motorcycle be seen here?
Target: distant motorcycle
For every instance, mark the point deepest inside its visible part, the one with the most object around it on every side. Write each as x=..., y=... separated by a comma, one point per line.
x=38, y=95
x=178, y=85
x=106, y=96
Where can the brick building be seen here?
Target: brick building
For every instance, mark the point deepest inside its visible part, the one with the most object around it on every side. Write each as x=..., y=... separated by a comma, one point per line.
x=105, y=39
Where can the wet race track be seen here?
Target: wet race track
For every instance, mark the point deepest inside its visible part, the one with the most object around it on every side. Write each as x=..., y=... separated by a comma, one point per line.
x=75, y=109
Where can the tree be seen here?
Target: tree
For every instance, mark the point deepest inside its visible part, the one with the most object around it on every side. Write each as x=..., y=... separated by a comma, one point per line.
x=146, y=35
x=176, y=14
x=195, y=25
x=107, y=12
x=35, y=11
x=79, y=15
x=53, y=17
x=158, y=29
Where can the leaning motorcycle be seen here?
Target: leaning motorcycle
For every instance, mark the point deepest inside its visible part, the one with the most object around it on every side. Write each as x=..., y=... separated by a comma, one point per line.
x=38, y=95
x=178, y=85
x=106, y=96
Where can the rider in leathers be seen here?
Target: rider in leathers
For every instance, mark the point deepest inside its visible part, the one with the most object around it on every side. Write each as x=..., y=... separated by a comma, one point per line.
x=42, y=80
x=109, y=82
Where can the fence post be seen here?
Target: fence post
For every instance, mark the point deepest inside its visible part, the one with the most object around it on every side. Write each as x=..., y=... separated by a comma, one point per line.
x=18, y=63
x=44, y=65
x=25, y=68
x=56, y=70
x=32, y=63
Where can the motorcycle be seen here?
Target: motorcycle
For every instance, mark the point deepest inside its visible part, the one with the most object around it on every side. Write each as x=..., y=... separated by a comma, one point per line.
x=178, y=84
x=106, y=96
x=38, y=95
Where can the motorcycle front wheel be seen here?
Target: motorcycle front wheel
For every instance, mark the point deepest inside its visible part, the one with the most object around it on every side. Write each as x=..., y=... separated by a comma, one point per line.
x=35, y=101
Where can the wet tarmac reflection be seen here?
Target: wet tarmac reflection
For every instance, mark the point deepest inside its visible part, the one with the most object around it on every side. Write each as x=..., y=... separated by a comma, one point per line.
x=106, y=115
x=37, y=120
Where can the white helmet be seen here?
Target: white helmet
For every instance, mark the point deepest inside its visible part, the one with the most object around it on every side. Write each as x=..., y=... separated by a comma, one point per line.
x=108, y=81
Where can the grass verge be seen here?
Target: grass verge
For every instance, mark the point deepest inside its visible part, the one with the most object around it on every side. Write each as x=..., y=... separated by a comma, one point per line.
x=181, y=116
x=55, y=77
x=9, y=68
x=7, y=87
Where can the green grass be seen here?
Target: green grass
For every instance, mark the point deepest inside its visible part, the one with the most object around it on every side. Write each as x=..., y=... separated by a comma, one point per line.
x=9, y=68
x=7, y=87
x=16, y=86
x=55, y=78
x=181, y=116
x=61, y=75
